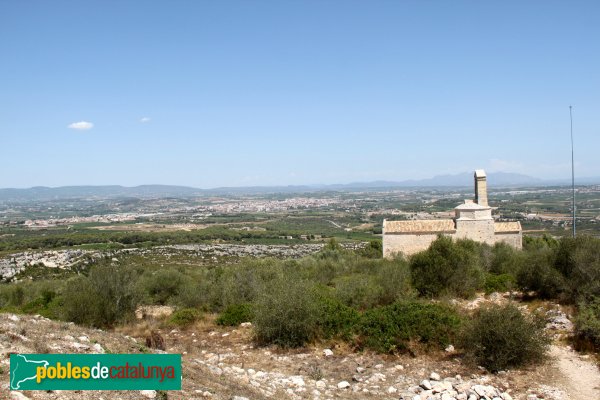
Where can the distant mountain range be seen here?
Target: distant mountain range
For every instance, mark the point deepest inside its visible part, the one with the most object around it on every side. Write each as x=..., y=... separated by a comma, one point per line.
x=495, y=180
x=463, y=179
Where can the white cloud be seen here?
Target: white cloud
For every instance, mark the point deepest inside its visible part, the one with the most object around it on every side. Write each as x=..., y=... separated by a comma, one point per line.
x=143, y=120
x=81, y=126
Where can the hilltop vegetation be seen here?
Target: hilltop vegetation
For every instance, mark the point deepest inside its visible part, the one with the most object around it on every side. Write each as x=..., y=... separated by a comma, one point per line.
x=337, y=294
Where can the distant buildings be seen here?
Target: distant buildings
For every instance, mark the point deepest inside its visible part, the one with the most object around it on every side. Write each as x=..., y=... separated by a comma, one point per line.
x=473, y=220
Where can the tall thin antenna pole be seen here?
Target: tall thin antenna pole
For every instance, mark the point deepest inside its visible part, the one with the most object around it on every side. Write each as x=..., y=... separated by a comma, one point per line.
x=572, y=170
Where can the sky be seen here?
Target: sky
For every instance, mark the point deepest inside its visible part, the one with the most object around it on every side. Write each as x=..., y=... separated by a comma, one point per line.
x=287, y=92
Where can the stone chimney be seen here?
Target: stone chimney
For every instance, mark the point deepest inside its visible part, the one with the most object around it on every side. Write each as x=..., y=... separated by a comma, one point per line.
x=481, y=188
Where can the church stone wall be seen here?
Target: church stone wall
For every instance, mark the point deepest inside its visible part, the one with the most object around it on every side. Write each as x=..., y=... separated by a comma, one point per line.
x=514, y=239
x=407, y=243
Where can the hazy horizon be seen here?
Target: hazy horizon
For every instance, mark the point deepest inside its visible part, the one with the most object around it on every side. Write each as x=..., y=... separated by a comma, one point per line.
x=528, y=179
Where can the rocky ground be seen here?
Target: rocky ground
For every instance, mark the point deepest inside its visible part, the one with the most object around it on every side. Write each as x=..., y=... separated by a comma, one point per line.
x=223, y=363
x=12, y=264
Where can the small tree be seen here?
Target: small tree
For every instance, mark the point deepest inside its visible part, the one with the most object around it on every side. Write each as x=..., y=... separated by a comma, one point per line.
x=286, y=313
x=106, y=296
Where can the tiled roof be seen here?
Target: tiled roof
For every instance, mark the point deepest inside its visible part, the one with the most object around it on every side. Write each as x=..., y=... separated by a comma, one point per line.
x=420, y=226
x=506, y=227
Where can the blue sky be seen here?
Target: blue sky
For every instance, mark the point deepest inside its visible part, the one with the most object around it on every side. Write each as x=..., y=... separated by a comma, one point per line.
x=236, y=93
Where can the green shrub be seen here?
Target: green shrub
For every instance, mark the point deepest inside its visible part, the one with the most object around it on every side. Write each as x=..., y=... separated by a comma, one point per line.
x=47, y=304
x=107, y=296
x=193, y=294
x=391, y=328
x=235, y=314
x=579, y=261
x=499, y=283
x=447, y=268
x=17, y=296
x=393, y=276
x=587, y=323
x=185, y=317
x=500, y=337
x=332, y=250
x=539, y=242
x=537, y=272
x=163, y=285
x=505, y=259
x=243, y=283
x=82, y=304
x=373, y=250
x=335, y=319
x=286, y=313
x=358, y=290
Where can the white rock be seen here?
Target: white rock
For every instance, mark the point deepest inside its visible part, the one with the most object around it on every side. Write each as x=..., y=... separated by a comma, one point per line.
x=239, y=398
x=425, y=384
x=18, y=396
x=392, y=390
x=360, y=370
x=251, y=371
x=297, y=381
x=83, y=339
x=149, y=394
x=80, y=346
x=434, y=376
x=246, y=324
x=450, y=349
x=480, y=390
x=377, y=377
x=206, y=394
x=328, y=352
x=321, y=384
x=237, y=370
x=225, y=335
x=97, y=348
x=316, y=393
x=440, y=387
x=343, y=385
x=378, y=366
x=215, y=370
x=416, y=397
x=13, y=318
x=506, y=396
x=399, y=367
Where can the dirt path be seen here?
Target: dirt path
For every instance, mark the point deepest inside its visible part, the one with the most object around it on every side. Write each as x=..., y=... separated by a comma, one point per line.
x=581, y=377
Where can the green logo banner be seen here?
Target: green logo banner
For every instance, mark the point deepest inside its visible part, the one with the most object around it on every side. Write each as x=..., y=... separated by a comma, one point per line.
x=95, y=371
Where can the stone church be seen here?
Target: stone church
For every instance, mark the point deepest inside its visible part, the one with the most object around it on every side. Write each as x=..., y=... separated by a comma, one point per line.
x=473, y=221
